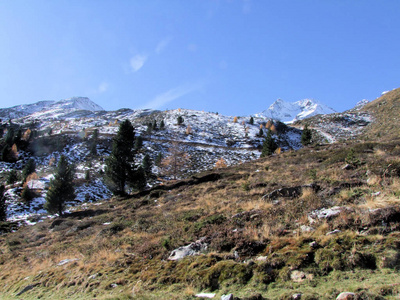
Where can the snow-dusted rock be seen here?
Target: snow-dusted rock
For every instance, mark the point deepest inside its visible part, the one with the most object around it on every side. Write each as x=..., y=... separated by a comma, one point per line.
x=324, y=213
x=194, y=248
x=288, y=112
x=346, y=296
x=205, y=295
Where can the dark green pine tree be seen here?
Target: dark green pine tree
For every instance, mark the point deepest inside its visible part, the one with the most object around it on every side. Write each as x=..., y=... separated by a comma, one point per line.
x=306, y=136
x=146, y=165
x=29, y=168
x=5, y=153
x=93, y=142
x=120, y=167
x=180, y=120
x=12, y=177
x=251, y=122
x=269, y=145
x=261, y=132
x=138, y=143
x=155, y=125
x=3, y=205
x=9, y=137
x=61, y=187
x=162, y=125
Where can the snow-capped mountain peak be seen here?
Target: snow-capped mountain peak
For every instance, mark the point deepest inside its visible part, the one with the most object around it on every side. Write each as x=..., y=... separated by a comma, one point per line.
x=288, y=112
x=80, y=103
x=49, y=107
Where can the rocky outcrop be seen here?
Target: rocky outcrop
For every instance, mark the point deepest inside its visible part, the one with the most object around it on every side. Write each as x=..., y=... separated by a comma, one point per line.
x=194, y=248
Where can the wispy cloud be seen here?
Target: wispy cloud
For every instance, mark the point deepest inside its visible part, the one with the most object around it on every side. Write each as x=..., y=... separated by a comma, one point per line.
x=137, y=62
x=103, y=87
x=163, y=44
x=172, y=95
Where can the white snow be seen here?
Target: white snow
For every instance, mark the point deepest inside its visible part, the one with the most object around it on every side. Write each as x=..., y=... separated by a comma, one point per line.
x=289, y=112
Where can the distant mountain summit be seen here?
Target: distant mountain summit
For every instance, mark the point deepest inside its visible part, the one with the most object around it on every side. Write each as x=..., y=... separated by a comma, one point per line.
x=289, y=112
x=66, y=105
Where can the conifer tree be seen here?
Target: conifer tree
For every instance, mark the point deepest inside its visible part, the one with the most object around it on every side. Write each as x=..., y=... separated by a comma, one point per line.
x=155, y=125
x=180, y=120
x=306, y=136
x=138, y=143
x=251, y=122
x=9, y=137
x=12, y=177
x=61, y=187
x=3, y=205
x=93, y=143
x=269, y=145
x=120, y=168
x=162, y=125
x=146, y=165
x=29, y=168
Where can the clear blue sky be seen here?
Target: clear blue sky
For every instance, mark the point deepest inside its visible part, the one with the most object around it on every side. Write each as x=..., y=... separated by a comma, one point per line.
x=235, y=57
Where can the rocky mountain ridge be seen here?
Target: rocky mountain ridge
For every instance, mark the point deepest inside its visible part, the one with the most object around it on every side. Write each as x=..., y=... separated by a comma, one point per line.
x=289, y=112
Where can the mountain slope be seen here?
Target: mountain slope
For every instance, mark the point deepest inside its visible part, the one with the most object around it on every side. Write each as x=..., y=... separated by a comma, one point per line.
x=386, y=113
x=50, y=107
x=290, y=112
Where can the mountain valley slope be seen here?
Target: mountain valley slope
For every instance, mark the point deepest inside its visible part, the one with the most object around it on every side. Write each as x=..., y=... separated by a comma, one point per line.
x=315, y=221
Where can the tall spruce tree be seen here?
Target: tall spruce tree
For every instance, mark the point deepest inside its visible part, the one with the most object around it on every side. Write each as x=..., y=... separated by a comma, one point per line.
x=306, y=136
x=120, y=167
x=93, y=142
x=61, y=187
x=146, y=165
x=29, y=168
x=3, y=205
x=269, y=145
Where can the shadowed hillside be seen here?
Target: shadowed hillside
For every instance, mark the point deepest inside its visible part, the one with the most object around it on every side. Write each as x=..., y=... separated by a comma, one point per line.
x=317, y=222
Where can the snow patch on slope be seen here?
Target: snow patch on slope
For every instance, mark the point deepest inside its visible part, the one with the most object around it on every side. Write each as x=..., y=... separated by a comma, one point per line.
x=289, y=112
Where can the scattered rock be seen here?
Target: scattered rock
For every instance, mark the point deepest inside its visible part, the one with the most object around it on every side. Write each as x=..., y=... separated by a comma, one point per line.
x=65, y=261
x=262, y=258
x=300, y=276
x=297, y=276
x=336, y=231
x=305, y=228
x=194, y=248
x=227, y=297
x=291, y=192
x=348, y=167
x=346, y=296
x=205, y=295
x=325, y=213
x=296, y=296
x=27, y=288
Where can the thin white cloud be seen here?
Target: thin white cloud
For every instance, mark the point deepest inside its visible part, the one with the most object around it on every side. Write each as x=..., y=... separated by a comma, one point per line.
x=163, y=44
x=103, y=87
x=137, y=62
x=172, y=95
x=100, y=89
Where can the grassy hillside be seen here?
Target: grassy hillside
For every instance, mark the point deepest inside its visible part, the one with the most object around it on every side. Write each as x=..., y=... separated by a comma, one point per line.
x=258, y=222
x=386, y=111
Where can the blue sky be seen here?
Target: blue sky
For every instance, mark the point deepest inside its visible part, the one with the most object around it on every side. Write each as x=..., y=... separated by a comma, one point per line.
x=235, y=57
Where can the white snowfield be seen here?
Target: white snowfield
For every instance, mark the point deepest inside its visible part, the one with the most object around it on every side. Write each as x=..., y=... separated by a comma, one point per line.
x=289, y=112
